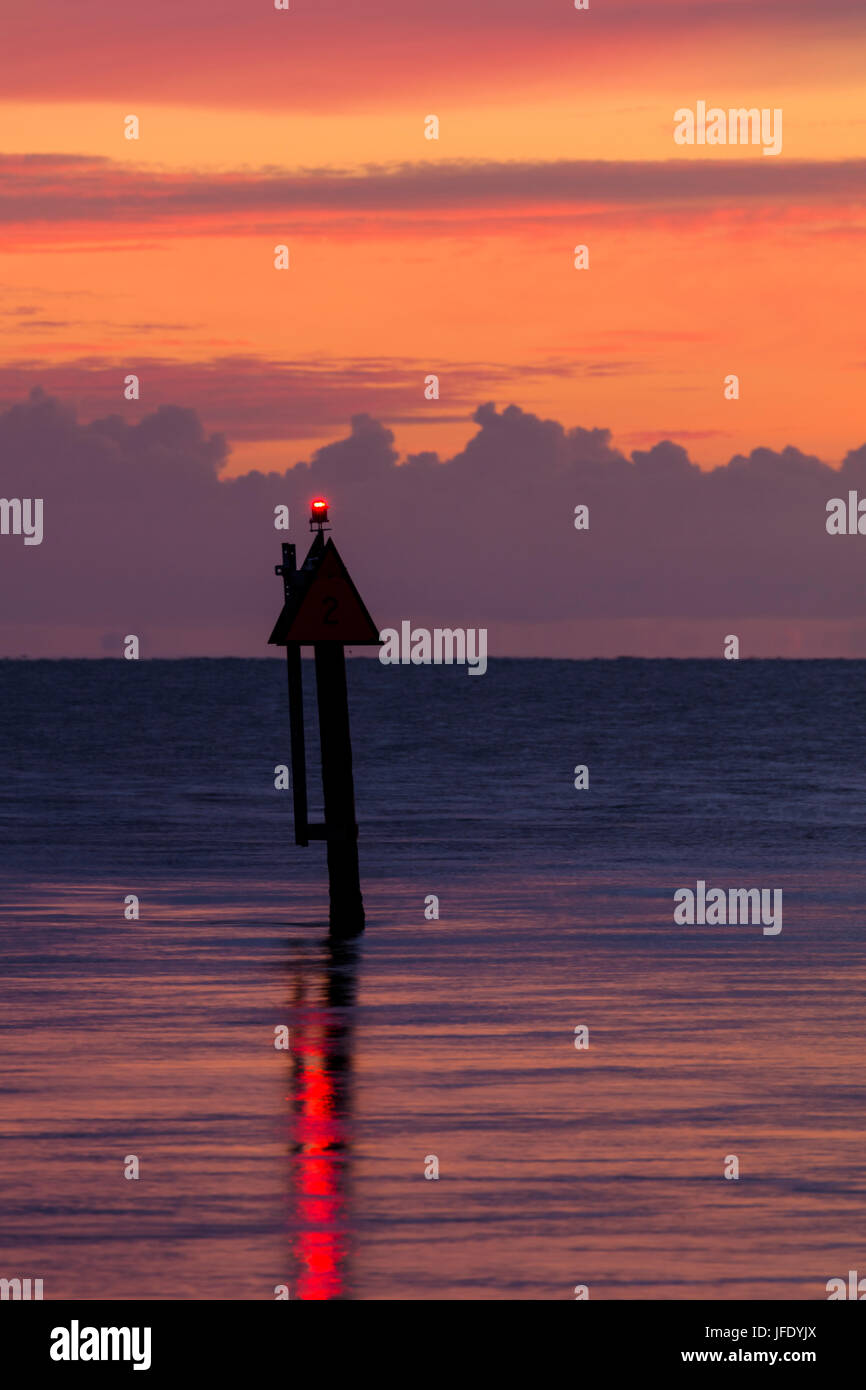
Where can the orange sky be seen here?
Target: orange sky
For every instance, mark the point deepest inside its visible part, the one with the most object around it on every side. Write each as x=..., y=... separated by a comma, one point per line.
x=155, y=256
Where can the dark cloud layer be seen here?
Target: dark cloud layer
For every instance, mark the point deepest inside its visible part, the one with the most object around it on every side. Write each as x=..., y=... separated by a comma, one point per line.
x=88, y=190
x=141, y=534
x=324, y=53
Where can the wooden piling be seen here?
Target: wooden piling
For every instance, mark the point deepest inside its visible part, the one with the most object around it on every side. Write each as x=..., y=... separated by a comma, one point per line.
x=341, y=830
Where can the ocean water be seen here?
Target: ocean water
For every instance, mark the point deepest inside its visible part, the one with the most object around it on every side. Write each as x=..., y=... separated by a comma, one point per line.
x=451, y=1038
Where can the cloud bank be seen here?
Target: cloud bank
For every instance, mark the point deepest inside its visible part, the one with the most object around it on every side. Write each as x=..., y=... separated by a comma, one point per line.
x=88, y=195
x=142, y=535
x=245, y=52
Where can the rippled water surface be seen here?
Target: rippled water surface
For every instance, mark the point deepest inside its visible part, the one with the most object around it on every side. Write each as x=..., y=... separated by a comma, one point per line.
x=452, y=1038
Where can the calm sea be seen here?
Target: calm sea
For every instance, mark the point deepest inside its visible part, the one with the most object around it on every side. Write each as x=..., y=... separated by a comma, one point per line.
x=451, y=1038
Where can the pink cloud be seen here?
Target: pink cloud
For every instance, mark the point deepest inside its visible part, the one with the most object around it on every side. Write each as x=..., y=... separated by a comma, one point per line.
x=327, y=55
x=115, y=201
x=256, y=398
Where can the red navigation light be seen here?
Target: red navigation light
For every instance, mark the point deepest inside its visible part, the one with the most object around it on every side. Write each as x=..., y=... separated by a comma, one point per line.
x=318, y=514
x=320, y=505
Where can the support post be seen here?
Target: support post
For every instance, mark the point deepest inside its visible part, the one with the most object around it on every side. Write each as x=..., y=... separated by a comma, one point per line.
x=296, y=729
x=344, y=880
x=288, y=570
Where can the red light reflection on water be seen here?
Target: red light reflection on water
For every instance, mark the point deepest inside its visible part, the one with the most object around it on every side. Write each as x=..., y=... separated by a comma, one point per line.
x=319, y=1096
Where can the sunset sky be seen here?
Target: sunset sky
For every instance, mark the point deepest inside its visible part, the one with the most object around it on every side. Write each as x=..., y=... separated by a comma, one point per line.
x=411, y=256
x=453, y=257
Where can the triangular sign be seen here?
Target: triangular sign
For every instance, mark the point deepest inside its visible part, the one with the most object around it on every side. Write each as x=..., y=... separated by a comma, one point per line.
x=331, y=609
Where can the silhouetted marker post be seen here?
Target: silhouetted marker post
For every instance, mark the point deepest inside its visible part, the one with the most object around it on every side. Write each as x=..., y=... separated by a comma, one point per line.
x=323, y=609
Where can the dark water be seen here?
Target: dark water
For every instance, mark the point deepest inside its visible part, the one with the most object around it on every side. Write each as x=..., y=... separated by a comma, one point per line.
x=454, y=1037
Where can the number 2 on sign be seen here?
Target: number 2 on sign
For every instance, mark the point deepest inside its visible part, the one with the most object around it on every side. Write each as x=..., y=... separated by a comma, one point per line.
x=330, y=606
